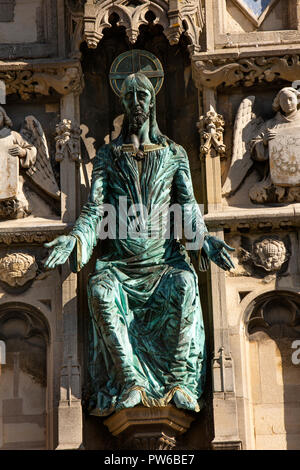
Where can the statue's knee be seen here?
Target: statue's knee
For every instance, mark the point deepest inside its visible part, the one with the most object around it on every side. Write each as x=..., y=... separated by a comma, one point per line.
x=184, y=287
x=102, y=290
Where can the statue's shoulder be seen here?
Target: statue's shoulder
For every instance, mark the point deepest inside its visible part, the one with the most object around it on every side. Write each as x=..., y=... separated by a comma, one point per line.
x=103, y=154
x=179, y=152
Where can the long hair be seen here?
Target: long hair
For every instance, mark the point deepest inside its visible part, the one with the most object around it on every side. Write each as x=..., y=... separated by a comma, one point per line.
x=155, y=135
x=7, y=120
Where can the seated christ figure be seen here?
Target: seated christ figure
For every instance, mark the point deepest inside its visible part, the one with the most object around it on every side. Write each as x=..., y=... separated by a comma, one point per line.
x=147, y=344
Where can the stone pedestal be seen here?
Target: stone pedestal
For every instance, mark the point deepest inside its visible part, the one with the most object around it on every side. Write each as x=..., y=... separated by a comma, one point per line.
x=149, y=428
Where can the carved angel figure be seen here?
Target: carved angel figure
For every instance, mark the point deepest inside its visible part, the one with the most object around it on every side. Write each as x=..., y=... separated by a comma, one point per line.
x=24, y=157
x=274, y=143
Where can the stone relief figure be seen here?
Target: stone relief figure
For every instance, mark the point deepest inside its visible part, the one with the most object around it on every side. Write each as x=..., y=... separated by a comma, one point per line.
x=24, y=158
x=274, y=143
x=147, y=342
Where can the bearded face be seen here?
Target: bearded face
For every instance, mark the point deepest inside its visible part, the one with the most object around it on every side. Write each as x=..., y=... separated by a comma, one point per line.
x=137, y=118
x=137, y=105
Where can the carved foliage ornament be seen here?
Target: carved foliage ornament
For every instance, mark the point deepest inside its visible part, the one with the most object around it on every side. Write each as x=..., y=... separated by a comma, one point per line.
x=36, y=237
x=63, y=79
x=17, y=268
x=175, y=16
x=269, y=253
x=67, y=141
x=211, y=127
x=245, y=72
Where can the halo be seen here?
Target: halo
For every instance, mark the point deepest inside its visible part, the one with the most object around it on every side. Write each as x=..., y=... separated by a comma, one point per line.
x=134, y=61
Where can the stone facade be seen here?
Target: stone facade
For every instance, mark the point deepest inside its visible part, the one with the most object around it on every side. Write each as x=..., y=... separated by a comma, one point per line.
x=224, y=63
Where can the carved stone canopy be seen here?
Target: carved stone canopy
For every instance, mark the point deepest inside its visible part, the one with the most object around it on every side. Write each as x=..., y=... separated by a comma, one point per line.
x=175, y=16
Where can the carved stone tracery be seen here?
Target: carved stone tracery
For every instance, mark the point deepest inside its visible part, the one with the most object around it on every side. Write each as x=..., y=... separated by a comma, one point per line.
x=176, y=17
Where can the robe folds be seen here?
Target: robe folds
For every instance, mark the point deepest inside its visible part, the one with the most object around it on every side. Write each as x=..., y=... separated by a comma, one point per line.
x=147, y=330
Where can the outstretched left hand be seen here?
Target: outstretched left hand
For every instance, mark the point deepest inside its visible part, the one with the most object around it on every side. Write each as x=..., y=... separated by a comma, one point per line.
x=216, y=251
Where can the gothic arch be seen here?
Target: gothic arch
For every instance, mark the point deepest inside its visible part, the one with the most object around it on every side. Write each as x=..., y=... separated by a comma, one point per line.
x=24, y=390
x=270, y=325
x=176, y=17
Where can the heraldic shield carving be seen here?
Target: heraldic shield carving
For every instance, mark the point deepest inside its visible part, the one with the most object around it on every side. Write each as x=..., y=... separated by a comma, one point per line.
x=284, y=151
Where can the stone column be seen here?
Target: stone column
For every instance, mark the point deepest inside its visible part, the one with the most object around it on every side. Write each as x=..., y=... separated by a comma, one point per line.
x=69, y=410
x=224, y=398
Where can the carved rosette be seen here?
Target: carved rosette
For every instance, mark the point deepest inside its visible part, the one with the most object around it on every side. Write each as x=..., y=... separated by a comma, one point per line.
x=269, y=253
x=175, y=16
x=246, y=72
x=211, y=127
x=16, y=269
x=67, y=141
x=63, y=77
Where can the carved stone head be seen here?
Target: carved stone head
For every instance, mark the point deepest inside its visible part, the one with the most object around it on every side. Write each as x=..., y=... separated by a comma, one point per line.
x=286, y=100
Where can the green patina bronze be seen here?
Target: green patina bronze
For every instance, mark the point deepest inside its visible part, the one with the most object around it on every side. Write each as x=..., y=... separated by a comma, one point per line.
x=147, y=342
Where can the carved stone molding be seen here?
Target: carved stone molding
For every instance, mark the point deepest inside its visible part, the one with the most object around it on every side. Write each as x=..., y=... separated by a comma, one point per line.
x=226, y=445
x=31, y=237
x=211, y=127
x=175, y=16
x=67, y=141
x=149, y=428
x=246, y=72
x=26, y=79
x=256, y=220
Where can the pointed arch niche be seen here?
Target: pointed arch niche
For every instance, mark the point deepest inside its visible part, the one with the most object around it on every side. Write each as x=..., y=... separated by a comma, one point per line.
x=177, y=102
x=23, y=383
x=271, y=324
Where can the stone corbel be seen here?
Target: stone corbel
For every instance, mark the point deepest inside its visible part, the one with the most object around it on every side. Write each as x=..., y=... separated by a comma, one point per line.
x=211, y=127
x=27, y=79
x=67, y=141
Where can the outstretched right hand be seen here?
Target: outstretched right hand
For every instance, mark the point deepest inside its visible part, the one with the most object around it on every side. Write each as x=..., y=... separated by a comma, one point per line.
x=63, y=247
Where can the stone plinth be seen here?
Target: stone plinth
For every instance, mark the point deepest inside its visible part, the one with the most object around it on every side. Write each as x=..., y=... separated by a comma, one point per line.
x=149, y=428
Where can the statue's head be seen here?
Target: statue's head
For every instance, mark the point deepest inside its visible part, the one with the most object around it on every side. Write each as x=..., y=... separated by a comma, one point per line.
x=138, y=100
x=286, y=100
x=5, y=121
x=139, y=103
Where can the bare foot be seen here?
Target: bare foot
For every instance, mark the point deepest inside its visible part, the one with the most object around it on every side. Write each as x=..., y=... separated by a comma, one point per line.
x=134, y=398
x=181, y=401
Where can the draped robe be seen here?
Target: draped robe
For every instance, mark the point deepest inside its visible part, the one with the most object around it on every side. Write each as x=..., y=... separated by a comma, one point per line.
x=146, y=321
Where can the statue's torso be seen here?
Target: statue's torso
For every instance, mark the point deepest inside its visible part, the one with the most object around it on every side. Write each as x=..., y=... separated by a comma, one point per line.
x=147, y=186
